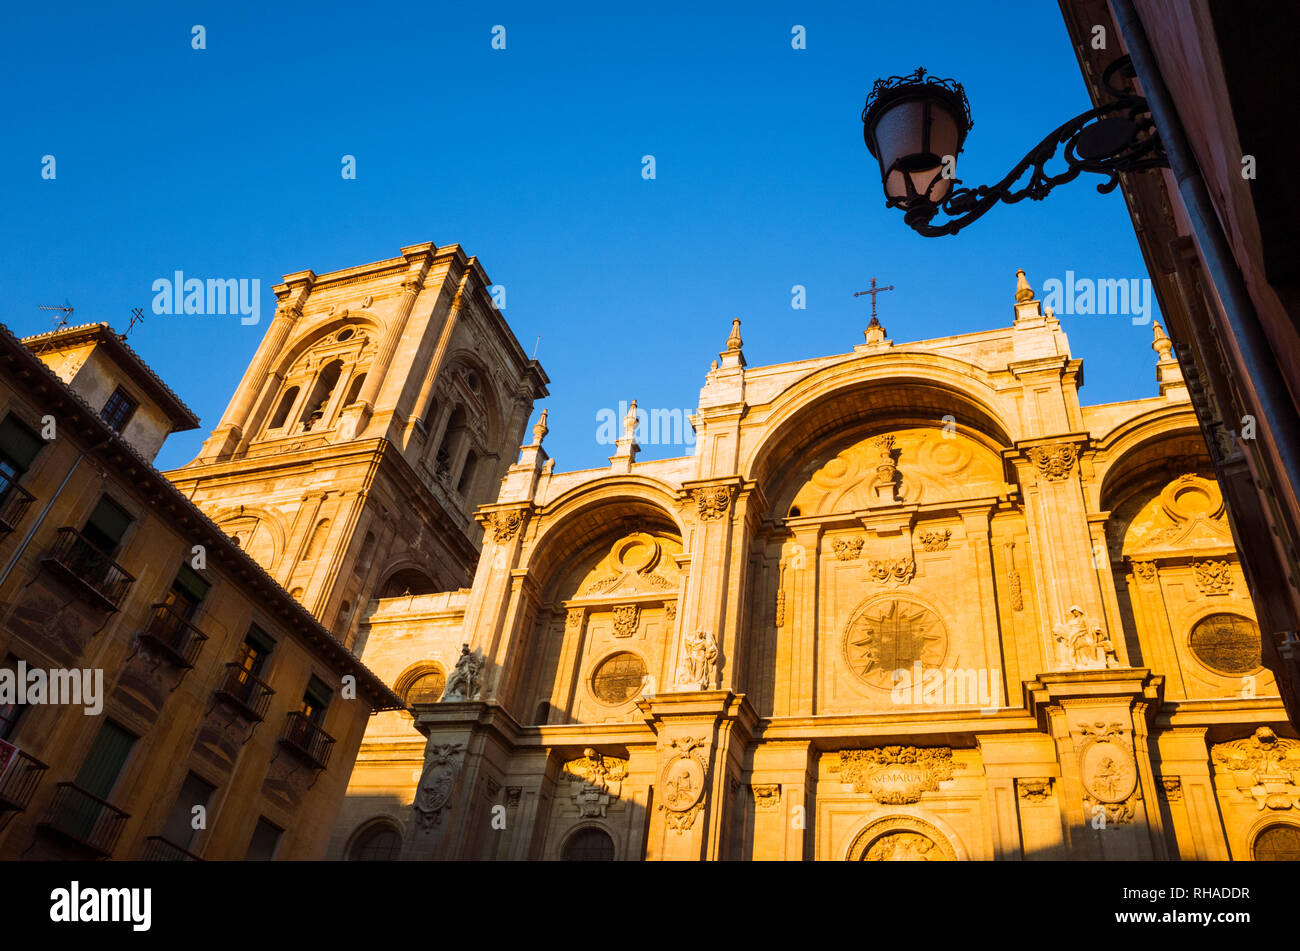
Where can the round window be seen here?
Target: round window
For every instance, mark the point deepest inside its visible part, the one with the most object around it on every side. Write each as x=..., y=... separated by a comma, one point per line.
x=345, y=334
x=1227, y=643
x=618, y=678
x=427, y=688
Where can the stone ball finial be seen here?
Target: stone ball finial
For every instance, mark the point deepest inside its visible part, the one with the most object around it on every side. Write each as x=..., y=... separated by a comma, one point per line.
x=733, y=341
x=1024, y=293
x=1161, y=344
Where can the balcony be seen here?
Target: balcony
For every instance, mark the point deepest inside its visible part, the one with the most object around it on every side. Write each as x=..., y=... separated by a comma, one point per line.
x=19, y=781
x=84, y=819
x=84, y=566
x=159, y=849
x=249, y=695
x=14, y=500
x=173, y=636
x=307, y=739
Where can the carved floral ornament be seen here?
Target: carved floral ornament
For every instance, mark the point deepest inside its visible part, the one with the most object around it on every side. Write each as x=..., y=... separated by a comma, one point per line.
x=1035, y=790
x=504, y=523
x=712, y=502
x=896, y=775
x=1213, y=576
x=682, y=781
x=626, y=617
x=1264, y=766
x=1054, y=461
x=767, y=796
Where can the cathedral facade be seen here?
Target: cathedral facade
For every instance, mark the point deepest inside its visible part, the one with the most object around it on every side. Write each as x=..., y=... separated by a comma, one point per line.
x=913, y=601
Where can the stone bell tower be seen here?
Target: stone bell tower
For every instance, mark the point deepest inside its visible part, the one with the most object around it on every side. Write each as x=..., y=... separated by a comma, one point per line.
x=382, y=407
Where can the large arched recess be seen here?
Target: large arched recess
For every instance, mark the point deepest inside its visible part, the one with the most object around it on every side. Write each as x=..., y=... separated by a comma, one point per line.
x=1163, y=442
x=576, y=531
x=833, y=408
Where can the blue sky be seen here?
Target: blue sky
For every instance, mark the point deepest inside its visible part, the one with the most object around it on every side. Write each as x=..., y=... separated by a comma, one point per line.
x=225, y=163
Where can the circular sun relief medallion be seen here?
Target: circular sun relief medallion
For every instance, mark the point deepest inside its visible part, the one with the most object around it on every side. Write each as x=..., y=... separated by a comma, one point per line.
x=618, y=678
x=893, y=634
x=1227, y=643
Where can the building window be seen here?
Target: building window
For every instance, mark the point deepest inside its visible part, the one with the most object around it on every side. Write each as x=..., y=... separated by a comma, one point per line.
x=254, y=651
x=427, y=687
x=10, y=713
x=1227, y=643
x=266, y=839
x=316, y=701
x=379, y=843
x=118, y=410
x=18, y=449
x=103, y=764
x=589, y=845
x=1277, y=843
x=187, y=592
x=286, y=404
x=354, y=389
x=106, y=525
x=317, y=403
x=467, y=473
x=618, y=678
x=180, y=828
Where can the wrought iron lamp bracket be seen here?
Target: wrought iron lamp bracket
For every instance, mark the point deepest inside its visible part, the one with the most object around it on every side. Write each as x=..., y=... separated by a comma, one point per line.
x=1116, y=137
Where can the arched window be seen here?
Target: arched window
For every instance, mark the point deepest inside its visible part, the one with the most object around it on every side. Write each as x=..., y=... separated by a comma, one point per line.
x=286, y=404
x=467, y=473
x=543, y=712
x=354, y=390
x=589, y=845
x=1277, y=843
x=380, y=843
x=408, y=581
x=450, y=441
x=326, y=380
x=317, y=542
x=427, y=687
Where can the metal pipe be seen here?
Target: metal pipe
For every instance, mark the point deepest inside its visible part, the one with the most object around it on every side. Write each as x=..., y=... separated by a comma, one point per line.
x=1270, y=390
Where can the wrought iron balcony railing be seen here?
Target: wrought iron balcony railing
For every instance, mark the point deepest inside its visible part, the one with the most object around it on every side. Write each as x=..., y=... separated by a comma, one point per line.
x=248, y=693
x=85, y=819
x=14, y=500
x=82, y=563
x=19, y=781
x=160, y=849
x=305, y=737
x=176, y=636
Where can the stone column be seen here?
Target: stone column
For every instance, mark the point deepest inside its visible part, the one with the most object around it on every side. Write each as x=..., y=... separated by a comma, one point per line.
x=418, y=257
x=696, y=731
x=712, y=504
x=1098, y=720
x=227, y=436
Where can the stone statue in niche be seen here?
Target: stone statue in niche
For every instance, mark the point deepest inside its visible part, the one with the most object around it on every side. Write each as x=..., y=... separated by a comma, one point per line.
x=465, y=682
x=699, y=661
x=1082, y=645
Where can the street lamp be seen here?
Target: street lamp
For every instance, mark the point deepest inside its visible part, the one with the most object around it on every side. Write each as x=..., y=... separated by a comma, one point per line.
x=916, y=125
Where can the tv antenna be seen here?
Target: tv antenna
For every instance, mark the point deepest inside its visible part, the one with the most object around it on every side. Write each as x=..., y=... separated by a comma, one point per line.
x=137, y=317
x=60, y=322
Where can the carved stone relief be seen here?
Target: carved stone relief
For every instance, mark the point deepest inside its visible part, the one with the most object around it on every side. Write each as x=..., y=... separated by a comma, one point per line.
x=1055, y=462
x=1263, y=766
x=712, y=502
x=442, y=764
x=595, y=780
x=896, y=775
x=682, y=779
x=767, y=797
x=935, y=540
x=626, y=617
x=848, y=549
x=892, y=634
x=1108, y=772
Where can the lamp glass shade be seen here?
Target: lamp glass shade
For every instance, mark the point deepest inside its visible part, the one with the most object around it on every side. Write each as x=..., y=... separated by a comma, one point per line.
x=912, y=135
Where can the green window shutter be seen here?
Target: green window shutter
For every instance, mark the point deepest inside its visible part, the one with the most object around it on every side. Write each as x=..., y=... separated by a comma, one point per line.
x=18, y=444
x=104, y=762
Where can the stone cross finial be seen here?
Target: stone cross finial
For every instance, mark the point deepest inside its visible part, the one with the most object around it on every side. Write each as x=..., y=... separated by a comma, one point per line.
x=1161, y=344
x=734, y=342
x=540, y=430
x=1024, y=293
